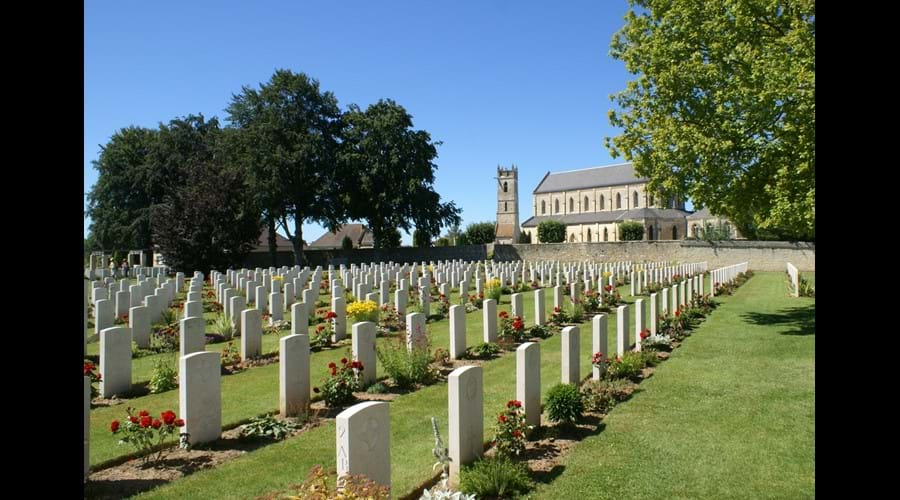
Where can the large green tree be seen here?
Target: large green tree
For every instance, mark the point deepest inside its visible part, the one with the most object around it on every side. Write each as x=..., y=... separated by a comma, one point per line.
x=294, y=129
x=480, y=233
x=723, y=107
x=119, y=202
x=388, y=173
x=207, y=219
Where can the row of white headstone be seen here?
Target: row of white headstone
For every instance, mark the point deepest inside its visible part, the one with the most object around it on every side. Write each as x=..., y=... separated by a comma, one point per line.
x=724, y=275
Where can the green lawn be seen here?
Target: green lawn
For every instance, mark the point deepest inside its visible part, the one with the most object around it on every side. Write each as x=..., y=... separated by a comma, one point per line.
x=255, y=391
x=731, y=415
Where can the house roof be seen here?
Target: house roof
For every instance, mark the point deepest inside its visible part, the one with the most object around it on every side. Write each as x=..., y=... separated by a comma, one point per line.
x=606, y=217
x=610, y=175
x=358, y=233
x=701, y=214
x=282, y=244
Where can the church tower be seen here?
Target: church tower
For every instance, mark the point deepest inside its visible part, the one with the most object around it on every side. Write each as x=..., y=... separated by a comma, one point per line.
x=507, y=229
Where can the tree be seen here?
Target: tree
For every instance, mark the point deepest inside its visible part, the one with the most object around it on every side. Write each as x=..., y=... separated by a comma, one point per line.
x=390, y=238
x=207, y=218
x=347, y=243
x=388, y=172
x=421, y=238
x=480, y=233
x=209, y=222
x=631, y=231
x=723, y=107
x=453, y=234
x=551, y=231
x=119, y=202
x=443, y=241
x=524, y=237
x=294, y=129
x=463, y=239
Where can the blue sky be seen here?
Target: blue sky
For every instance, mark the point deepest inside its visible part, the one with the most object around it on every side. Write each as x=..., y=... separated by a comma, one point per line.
x=498, y=82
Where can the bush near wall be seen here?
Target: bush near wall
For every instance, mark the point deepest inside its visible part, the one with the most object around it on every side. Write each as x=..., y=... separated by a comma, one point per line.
x=631, y=231
x=551, y=231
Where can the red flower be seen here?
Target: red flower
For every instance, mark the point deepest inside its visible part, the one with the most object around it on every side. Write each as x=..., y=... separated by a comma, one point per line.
x=677, y=313
x=156, y=423
x=516, y=433
x=598, y=356
x=333, y=372
x=608, y=288
x=331, y=315
x=502, y=418
x=320, y=328
x=133, y=420
x=146, y=421
x=517, y=324
x=556, y=309
x=144, y=413
x=504, y=314
x=179, y=422
x=114, y=426
x=168, y=417
x=343, y=361
x=644, y=335
x=332, y=365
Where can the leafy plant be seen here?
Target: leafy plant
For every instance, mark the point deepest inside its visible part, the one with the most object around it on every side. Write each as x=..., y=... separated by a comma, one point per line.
x=377, y=388
x=484, y=350
x=321, y=337
x=551, y=231
x=230, y=355
x=631, y=231
x=564, y=404
x=268, y=427
x=441, y=356
x=512, y=328
x=162, y=342
x=602, y=395
x=559, y=316
x=540, y=331
x=510, y=429
x=804, y=289
x=495, y=477
x=164, y=377
x=224, y=327
x=146, y=433
x=339, y=387
x=406, y=367
x=318, y=486
x=91, y=370
x=628, y=365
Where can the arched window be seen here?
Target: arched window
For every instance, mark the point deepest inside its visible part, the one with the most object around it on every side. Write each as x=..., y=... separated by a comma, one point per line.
x=589, y=234
x=543, y=207
x=652, y=200
x=587, y=204
x=695, y=230
x=504, y=186
x=571, y=205
x=505, y=209
x=618, y=200
x=556, y=206
x=605, y=234
x=572, y=238
x=636, y=204
x=602, y=202
x=650, y=233
x=674, y=232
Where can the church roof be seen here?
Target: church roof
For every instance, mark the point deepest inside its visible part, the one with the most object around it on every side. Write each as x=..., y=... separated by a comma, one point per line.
x=701, y=214
x=610, y=175
x=606, y=217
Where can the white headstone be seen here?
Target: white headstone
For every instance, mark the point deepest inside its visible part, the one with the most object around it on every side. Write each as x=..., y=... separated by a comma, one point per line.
x=115, y=361
x=293, y=373
x=364, y=350
x=600, y=344
x=457, y=331
x=415, y=330
x=489, y=314
x=528, y=381
x=540, y=313
x=299, y=319
x=200, y=396
x=339, y=323
x=364, y=442
x=466, y=440
x=571, y=367
x=193, y=336
x=622, y=341
x=518, y=309
x=251, y=333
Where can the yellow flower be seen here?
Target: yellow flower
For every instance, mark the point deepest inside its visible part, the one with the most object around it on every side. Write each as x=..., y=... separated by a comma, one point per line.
x=494, y=283
x=363, y=310
x=278, y=278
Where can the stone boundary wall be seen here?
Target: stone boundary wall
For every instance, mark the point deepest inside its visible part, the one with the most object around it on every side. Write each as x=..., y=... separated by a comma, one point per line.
x=760, y=255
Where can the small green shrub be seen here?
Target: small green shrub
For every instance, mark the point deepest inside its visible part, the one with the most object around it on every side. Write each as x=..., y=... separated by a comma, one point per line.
x=551, y=231
x=484, y=350
x=540, y=331
x=495, y=477
x=602, y=395
x=406, y=367
x=164, y=377
x=628, y=366
x=377, y=388
x=564, y=404
x=164, y=342
x=267, y=427
x=631, y=231
x=649, y=358
x=224, y=327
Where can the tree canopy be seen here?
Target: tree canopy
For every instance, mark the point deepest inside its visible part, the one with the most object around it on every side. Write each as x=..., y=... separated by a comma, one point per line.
x=723, y=107
x=480, y=233
x=631, y=231
x=291, y=129
x=551, y=231
x=388, y=172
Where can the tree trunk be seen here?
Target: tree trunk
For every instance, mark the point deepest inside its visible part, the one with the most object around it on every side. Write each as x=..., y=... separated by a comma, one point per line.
x=273, y=243
x=297, y=240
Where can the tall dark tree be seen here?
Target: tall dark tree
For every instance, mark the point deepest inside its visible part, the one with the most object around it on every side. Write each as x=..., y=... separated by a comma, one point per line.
x=207, y=219
x=480, y=233
x=388, y=173
x=723, y=107
x=119, y=203
x=293, y=129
